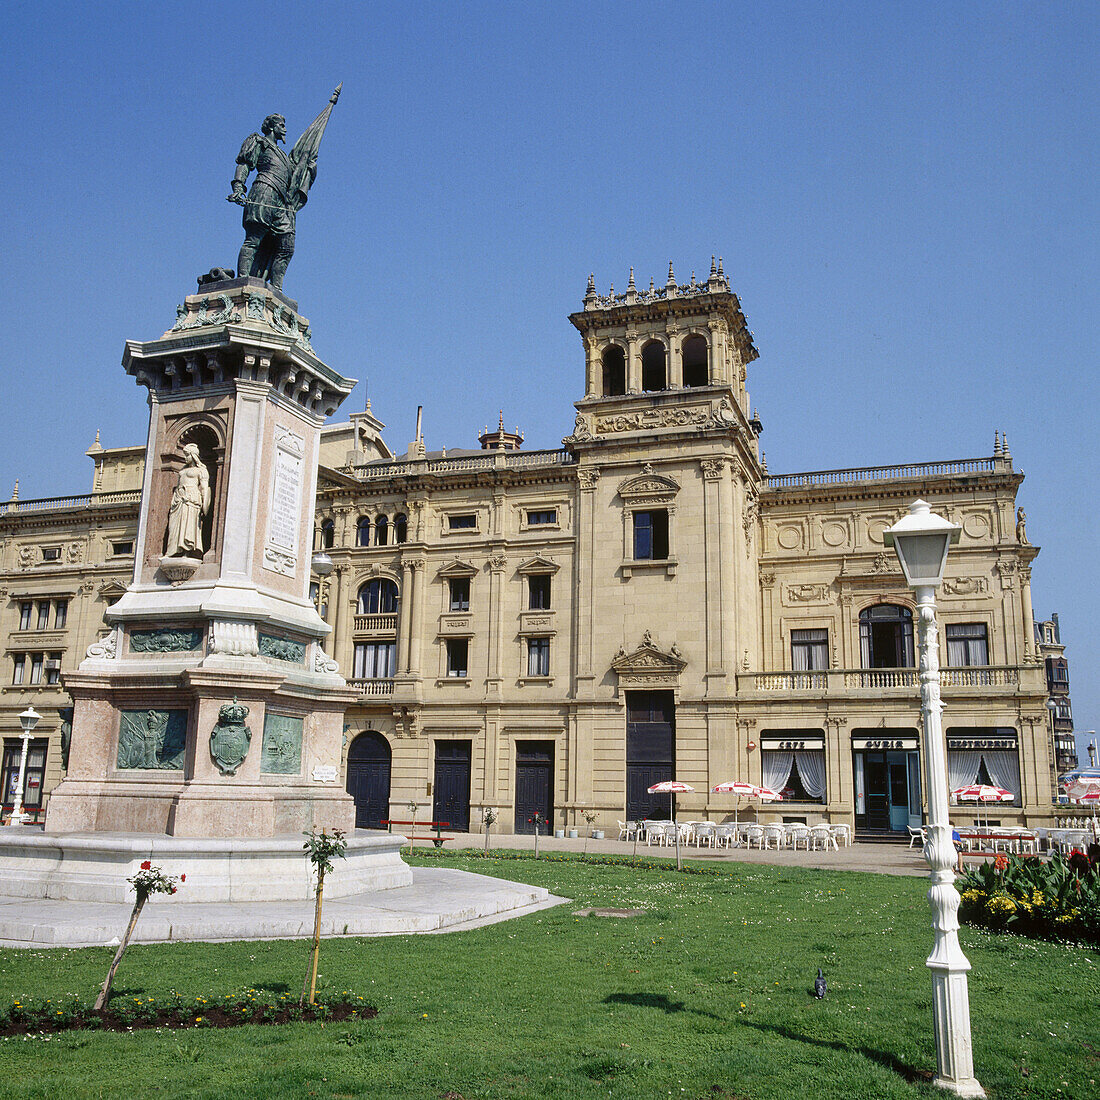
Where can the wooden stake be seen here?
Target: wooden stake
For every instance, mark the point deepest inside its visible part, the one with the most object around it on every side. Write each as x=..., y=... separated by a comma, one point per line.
x=311, y=980
x=105, y=992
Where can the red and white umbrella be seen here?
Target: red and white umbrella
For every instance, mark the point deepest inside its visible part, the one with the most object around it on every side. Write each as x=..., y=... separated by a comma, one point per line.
x=746, y=790
x=1084, y=790
x=672, y=787
x=982, y=792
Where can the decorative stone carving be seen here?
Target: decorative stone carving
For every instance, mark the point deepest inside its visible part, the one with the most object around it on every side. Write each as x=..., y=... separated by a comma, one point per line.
x=190, y=502
x=749, y=519
x=1007, y=572
x=964, y=586
x=152, y=739
x=284, y=516
x=807, y=593
x=497, y=563
x=26, y=556
x=281, y=751
x=236, y=639
x=581, y=431
x=767, y=580
x=1021, y=527
x=230, y=737
x=712, y=468
x=282, y=649
x=694, y=416
x=648, y=665
x=165, y=640
x=723, y=415
x=588, y=476
x=74, y=553
x=105, y=649
x=880, y=563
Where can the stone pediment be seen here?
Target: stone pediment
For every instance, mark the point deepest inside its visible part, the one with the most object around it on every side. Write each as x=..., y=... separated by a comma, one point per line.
x=649, y=661
x=457, y=568
x=111, y=589
x=648, y=485
x=538, y=564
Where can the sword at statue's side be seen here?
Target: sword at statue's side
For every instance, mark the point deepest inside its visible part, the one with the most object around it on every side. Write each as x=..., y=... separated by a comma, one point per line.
x=303, y=157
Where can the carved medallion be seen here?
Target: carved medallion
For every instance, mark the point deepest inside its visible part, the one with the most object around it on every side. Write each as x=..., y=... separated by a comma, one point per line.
x=230, y=738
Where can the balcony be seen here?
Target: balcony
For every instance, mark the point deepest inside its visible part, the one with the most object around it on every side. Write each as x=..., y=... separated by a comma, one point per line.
x=372, y=687
x=842, y=681
x=376, y=624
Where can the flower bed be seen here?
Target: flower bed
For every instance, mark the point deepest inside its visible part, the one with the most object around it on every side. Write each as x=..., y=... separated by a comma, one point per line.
x=21, y=1017
x=1059, y=899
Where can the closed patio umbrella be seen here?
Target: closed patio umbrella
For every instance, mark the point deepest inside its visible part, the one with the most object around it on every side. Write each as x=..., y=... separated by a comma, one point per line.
x=982, y=792
x=673, y=787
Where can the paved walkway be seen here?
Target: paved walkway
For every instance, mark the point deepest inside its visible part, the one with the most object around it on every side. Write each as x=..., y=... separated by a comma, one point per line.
x=883, y=859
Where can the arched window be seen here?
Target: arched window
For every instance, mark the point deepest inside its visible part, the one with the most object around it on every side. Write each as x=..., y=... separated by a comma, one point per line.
x=400, y=527
x=696, y=367
x=378, y=597
x=614, y=371
x=653, y=366
x=362, y=531
x=886, y=636
x=328, y=534
x=381, y=531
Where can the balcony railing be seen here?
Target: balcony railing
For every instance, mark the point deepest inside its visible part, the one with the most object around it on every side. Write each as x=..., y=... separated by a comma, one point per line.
x=60, y=504
x=375, y=624
x=950, y=468
x=512, y=460
x=837, y=680
x=372, y=687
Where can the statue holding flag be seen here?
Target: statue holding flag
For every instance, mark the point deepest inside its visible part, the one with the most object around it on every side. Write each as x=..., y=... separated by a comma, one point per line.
x=279, y=191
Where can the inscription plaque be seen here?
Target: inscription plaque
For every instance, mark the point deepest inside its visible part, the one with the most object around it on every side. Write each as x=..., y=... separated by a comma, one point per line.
x=284, y=516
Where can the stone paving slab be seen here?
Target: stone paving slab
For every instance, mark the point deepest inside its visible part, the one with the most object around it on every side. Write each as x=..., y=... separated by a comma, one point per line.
x=439, y=900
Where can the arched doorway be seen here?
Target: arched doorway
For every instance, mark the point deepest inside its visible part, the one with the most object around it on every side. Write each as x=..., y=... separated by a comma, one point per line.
x=369, y=779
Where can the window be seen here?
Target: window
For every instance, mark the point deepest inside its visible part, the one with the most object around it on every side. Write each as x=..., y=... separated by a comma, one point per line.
x=458, y=653
x=121, y=549
x=614, y=371
x=809, y=650
x=695, y=361
x=36, y=668
x=466, y=521
x=53, y=668
x=25, y=610
x=541, y=519
x=19, y=668
x=798, y=774
x=460, y=593
x=653, y=366
x=400, y=527
x=362, y=531
x=43, y=615
x=378, y=597
x=60, y=613
x=886, y=636
x=538, y=656
x=983, y=755
x=51, y=553
x=374, y=660
x=538, y=591
x=381, y=531
x=328, y=534
x=967, y=644
x=651, y=535
x=33, y=774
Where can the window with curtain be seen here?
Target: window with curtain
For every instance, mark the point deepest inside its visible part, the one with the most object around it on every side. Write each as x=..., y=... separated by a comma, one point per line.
x=886, y=636
x=378, y=597
x=374, y=661
x=967, y=644
x=809, y=650
x=1000, y=766
x=801, y=774
x=538, y=656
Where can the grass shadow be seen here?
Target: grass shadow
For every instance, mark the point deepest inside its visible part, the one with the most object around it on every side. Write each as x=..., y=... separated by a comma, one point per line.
x=885, y=1059
x=655, y=1000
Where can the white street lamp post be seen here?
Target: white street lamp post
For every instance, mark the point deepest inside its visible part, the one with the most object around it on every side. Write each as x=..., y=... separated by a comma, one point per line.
x=28, y=720
x=921, y=540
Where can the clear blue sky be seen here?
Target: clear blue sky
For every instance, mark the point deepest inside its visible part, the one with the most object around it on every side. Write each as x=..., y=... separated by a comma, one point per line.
x=904, y=194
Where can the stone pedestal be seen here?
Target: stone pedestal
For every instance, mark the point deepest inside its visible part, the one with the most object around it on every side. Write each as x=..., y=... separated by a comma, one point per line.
x=210, y=709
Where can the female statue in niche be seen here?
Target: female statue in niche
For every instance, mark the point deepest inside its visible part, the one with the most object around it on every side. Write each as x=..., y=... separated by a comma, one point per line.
x=190, y=502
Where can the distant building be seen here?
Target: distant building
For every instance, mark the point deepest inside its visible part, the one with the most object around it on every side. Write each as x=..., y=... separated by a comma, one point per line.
x=553, y=631
x=1048, y=639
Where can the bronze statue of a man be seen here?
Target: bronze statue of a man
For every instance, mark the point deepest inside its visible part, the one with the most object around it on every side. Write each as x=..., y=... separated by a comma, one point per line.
x=279, y=190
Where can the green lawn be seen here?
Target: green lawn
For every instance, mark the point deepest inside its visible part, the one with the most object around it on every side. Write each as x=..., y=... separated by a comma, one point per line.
x=706, y=995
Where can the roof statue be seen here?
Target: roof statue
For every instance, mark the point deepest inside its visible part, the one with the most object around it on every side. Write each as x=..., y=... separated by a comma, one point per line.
x=279, y=190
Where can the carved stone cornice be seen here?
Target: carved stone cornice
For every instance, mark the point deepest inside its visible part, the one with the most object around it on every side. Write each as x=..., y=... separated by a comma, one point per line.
x=588, y=476
x=713, y=468
x=648, y=664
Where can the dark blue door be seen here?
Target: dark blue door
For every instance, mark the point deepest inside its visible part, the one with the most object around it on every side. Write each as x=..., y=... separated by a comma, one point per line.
x=369, y=779
x=650, y=751
x=451, y=800
x=534, y=790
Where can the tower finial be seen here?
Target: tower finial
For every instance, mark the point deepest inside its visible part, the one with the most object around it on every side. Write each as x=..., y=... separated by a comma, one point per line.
x=500, y=424
x=997, y=452
x=591, y=283
x=15, y=491
x=720, y=271
x=630, y=285
x=97, y=437
x=713, y=269
x=1004, y=446
x=671, y=277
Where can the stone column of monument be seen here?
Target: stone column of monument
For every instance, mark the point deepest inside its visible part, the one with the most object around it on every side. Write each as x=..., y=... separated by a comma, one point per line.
x=211, y=709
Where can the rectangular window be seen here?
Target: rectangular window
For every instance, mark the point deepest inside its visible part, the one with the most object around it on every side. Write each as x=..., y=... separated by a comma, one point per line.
x=33, y=774
x=460, y=593
x=53, y=668
x=463, y=522
x=967, y=644
x=539, y=519
x=51, y=553
x=651, y=535
x=799, y=775
x=25, y=609
x=36, y=668
x=538, y=592
x=19, y=668
x=538, y=656
x=60, y=613
x=458, y=654
x=121, y=549
x=43, y=615
x=809, y=650
x=374, y=661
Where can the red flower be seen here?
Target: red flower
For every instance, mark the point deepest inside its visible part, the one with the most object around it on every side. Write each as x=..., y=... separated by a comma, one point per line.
x=147, y=865
x=183, y=878
x=1001, y=862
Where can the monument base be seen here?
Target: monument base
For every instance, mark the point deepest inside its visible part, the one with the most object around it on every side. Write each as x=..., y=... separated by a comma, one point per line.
x=95, y=867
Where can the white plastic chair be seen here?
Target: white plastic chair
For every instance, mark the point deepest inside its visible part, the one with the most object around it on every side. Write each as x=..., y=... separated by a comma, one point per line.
x=774, y=832
x=705, y=833
x=822, y=836
x=841, y=832
x=754, y=833
x=916, y=837
x=799, y=834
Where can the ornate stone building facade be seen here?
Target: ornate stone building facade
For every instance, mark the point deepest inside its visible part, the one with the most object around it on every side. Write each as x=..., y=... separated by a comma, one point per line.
x=553, y=631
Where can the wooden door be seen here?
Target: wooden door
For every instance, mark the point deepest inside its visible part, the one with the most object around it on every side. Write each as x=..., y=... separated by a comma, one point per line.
x=534, y=784
x=369, y=779
x=451, y=797
x=650, y=751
